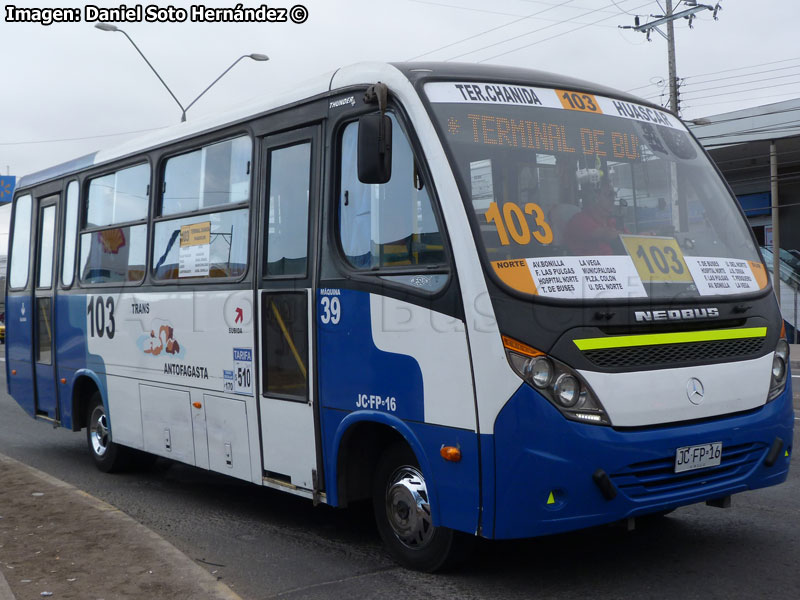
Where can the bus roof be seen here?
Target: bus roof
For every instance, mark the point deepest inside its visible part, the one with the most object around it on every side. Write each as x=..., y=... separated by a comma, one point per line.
x=360, y=73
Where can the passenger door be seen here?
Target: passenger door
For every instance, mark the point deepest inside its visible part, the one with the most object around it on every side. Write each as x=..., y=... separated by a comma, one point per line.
x=43, y=304
x=286, y=398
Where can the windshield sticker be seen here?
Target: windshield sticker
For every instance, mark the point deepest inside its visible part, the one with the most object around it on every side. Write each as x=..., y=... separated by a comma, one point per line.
x=494, y=93
x=657, y=259
x=516, y=274
x=714, y=276
x=482, y=188
x=585, y=277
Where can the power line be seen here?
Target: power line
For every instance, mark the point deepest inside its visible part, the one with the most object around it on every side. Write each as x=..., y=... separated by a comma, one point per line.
x=468, y=8
x=773, y=62
x=774, y=112
x=555, y=36
x=763, y=87
x=571, y=7
x=742, y=75
x=783, y=127
x=740, y=100
x=727, y=85
x=727, y=71
x=614, y=2
x=492, y=29
x=77, y=139
x=527, y=33
x=492, y=12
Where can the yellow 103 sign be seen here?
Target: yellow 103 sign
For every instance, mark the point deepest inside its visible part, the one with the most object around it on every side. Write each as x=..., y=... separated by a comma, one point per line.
x=657, y=259
x=514, y=222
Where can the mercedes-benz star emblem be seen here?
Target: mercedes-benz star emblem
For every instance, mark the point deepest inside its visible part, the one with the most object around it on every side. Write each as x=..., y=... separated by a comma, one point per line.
x=695, y=391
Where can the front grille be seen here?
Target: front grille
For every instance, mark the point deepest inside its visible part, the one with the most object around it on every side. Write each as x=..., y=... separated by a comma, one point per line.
x=655, y=478
x=670, y=354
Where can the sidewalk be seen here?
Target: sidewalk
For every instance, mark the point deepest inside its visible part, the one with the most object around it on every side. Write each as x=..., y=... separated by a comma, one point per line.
x=794, y=358
x=58, y=542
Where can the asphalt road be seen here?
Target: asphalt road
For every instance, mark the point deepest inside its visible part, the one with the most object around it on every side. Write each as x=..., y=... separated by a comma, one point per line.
x=268, y=544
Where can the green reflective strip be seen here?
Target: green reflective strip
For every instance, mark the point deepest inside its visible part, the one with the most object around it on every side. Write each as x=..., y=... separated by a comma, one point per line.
x=681, y=337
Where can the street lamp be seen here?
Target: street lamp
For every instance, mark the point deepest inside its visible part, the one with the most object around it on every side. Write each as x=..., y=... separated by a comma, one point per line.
x=256, y=57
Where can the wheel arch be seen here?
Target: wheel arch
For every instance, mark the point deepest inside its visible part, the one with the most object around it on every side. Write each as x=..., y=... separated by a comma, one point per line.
x=84, y=385
x=360, y=440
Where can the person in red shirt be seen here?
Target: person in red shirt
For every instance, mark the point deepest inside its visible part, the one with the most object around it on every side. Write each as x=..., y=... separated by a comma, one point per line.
x=593, y=231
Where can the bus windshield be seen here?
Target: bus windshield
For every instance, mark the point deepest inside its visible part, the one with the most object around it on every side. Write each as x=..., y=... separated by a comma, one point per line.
x=579, y=196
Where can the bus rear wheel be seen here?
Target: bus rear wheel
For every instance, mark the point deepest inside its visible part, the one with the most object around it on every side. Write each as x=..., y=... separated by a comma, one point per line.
x=108, y=456
x=403, y=515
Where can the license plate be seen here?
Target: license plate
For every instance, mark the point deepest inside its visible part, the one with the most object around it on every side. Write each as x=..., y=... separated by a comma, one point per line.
x=690, y=458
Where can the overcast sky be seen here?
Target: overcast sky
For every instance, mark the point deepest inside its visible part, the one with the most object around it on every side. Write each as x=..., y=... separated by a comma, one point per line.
x=71, y=80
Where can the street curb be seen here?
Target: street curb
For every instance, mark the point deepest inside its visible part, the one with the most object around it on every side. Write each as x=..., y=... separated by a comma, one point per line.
x=167, y=551
x=5, y=591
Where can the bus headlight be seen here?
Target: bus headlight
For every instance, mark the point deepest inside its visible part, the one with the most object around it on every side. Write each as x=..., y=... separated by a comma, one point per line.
x=557, y=382
x=567, y=390
x=541, y=372
x=779, y=361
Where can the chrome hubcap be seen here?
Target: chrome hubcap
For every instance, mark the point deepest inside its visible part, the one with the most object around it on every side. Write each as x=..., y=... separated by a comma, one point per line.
x=99, y=431
x=408, y=508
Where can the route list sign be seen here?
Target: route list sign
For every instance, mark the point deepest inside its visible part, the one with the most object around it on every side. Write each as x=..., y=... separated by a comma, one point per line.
x=582, y=277
x=194, y=256
x=721, y=275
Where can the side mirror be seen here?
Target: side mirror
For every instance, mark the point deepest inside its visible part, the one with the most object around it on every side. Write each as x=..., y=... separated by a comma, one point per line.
x=374, y=149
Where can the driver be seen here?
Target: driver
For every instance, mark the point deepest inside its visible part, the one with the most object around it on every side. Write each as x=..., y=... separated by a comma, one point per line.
x=592, y=231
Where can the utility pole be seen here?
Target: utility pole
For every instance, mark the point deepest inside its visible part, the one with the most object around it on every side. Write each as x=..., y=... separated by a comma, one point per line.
x=668, y=20
x=673, y=76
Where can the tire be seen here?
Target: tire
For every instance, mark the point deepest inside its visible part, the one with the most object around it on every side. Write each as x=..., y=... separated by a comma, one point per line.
x=108, y=456
x=403, y=516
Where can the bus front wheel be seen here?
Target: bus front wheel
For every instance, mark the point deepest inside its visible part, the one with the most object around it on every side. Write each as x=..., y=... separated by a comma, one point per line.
x=403, y=515
x=107, y=455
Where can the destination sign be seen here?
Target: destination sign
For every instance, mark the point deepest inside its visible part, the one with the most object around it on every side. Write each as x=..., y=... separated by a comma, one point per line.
x=545, y=136
x=464, y=92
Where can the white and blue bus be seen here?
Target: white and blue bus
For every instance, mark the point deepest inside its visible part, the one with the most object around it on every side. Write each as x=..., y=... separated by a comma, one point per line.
x=498, y=302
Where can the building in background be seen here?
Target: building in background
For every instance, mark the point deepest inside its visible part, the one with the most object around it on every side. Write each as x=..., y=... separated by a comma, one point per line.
x=739, y=142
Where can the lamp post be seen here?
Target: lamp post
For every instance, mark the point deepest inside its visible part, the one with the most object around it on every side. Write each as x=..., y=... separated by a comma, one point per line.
x=256, y=57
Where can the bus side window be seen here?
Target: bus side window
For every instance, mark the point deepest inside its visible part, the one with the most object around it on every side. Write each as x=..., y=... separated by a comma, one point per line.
x=113, y=237
x=203, y=224
x=20, y=248
x=287, y=230
x=386, y=225
x=70, y=231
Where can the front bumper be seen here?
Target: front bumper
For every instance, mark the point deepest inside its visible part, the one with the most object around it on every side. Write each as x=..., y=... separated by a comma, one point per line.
x=544, y=463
